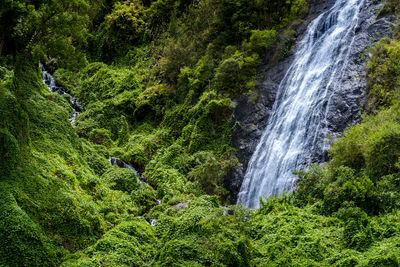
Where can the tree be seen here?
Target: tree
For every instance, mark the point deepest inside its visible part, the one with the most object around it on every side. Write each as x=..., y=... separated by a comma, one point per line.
x=44, y=30
x=123, y=28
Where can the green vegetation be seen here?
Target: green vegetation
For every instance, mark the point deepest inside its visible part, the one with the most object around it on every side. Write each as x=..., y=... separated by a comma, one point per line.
x=156, y=81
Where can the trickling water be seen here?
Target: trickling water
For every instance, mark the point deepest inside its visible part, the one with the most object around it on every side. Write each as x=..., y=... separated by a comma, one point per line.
x=299, y=114
x=120, y=163
x=48, y=79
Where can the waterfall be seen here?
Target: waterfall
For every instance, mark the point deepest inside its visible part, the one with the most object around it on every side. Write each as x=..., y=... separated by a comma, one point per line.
x=298, y=122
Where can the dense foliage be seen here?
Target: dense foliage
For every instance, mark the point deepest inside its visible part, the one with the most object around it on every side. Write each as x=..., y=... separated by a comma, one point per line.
x=156, y=81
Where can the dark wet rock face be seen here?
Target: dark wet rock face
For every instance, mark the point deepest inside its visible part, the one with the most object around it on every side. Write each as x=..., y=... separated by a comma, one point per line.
x=343, y=108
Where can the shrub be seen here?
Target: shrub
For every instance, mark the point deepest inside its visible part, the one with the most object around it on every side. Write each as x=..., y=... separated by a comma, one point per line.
x=261, y=41
x=121, y=179
x=311, y=185
x=384, y=261
x=152, y=99
x=346, y=186
x=100, y=82
x=100, y=137
x=210, y=174
x=357, y=231
x=373, y=146
x=233, y=73
x=383, y=74
x=124, y=27
x=131, y=243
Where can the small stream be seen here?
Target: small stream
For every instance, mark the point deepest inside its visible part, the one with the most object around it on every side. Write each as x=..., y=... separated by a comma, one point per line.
x=48, y=79
x=122, y=164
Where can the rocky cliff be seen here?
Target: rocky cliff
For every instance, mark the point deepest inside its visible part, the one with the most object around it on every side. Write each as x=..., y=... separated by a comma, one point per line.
x=343, y=108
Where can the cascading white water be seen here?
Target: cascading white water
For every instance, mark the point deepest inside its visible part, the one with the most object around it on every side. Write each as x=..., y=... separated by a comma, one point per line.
x=299, y=113
x=120, y=163
x=48, y=79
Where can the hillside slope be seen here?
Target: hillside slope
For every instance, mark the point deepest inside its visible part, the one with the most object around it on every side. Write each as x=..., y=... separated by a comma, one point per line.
x=156, y=81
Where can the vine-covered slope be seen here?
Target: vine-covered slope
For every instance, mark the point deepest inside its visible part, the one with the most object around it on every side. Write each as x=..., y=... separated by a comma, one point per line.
x=156, y=81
